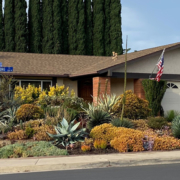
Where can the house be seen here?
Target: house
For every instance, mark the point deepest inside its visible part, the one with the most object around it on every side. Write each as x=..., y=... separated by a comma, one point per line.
x=83, y=73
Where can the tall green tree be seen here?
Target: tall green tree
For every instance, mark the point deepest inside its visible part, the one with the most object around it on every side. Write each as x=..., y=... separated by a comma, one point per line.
x=81, y=37
x=65, y=44
x=57, y=22
x=47, y=27
x=89, y=27
x=9, y=30
x=107, y=43
x=1, y=28
x=98, y=30
x=115, y=27
x=34, y=27
x=20, y=21
x=73, y=25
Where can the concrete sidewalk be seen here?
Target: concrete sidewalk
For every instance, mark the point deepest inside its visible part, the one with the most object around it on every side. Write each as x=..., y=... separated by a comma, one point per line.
x=88, y=161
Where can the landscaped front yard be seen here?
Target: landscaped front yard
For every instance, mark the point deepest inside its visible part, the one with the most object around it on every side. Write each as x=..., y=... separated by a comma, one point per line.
x=41, y=123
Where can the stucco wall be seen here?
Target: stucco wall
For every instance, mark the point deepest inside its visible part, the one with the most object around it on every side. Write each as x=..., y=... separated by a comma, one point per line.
x=117, y=85
x=146, y=65
x=68, y=83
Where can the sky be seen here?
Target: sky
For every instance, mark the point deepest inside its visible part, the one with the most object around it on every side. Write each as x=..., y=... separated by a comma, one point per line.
x=150, y=23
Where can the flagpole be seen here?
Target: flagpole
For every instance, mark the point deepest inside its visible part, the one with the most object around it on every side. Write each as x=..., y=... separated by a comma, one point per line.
x=157, y=62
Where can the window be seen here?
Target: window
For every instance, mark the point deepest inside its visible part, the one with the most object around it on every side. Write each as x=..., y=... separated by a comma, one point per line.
x=172, y=86
x=43, y=83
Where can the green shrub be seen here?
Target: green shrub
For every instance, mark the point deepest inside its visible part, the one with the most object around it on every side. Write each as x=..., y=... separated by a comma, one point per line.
x=29, y=111
x=176, y=127
x=29, y=132
x=98, y=117
x=135, y=107
x=122, y=123
x=157, y=122
x=51, y=111
x=170, y=115
x=31, y=149
x=154, y=92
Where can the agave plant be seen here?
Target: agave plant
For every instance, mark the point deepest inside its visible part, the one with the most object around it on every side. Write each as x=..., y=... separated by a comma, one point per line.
x=67, y=133
x=106, y=102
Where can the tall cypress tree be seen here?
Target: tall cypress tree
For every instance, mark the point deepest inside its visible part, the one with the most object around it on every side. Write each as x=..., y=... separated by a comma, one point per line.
x=65, y=44
x=9, y=26
x=57, y=26
x=81, y=49
x=98, y=30
x=115, y=27
x=1, y=28
x=47, y=27
x=89, y=27
x=20, y=21
x=34, y=26
x=73, y=26
x=108, y=51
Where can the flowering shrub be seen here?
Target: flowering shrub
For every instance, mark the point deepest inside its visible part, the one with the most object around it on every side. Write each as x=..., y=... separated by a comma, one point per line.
x=166, y=143
x=29, y=111
x=128, y=142
x=135, y=107
x=100, y=144
x=104, y=132
x=58, y=91
x=17, y=135
x=85, y=148
x=27, y=95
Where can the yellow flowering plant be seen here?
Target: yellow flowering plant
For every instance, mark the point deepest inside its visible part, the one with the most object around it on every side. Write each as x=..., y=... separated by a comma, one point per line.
x=28, y=94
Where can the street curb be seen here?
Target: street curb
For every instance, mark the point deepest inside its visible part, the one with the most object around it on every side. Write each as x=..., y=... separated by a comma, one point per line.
x=87, y=162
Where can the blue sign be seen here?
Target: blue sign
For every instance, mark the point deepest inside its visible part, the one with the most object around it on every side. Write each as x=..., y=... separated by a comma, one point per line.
x=6, y=69
x=0, y=64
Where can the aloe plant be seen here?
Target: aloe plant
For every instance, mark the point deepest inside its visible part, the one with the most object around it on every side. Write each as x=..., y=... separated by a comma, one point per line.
x=67, y=133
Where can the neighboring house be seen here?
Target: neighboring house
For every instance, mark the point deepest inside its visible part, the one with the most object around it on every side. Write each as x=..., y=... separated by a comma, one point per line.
x=83, y=73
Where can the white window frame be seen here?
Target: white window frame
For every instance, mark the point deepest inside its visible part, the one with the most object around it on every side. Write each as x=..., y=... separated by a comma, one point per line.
x=34, y=80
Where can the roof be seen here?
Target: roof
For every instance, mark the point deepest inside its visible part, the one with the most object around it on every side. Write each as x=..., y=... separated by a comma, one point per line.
x=58, y=65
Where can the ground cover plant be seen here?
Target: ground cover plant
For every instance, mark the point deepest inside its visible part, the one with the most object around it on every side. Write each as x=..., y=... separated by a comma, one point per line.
x=31, y=149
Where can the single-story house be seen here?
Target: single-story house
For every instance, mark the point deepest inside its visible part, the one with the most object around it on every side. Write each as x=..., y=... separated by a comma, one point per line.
x=83, y=73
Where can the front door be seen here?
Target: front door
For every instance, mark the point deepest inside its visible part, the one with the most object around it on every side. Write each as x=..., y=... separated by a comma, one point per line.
x=85, y=89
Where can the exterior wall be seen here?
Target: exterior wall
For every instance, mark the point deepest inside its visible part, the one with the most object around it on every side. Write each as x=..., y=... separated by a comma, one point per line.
x=117, y=85
x=146, y=65
x=68, y=83
x=102, y=81
x=138, y=88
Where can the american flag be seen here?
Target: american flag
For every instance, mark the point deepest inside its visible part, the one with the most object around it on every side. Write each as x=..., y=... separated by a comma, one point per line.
x=160, y=66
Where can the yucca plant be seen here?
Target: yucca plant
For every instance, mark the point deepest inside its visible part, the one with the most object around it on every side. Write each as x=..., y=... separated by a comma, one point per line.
x=98, y=117
x=67, y=133
x=122, y=123
x=106, y=102
x=176, y=127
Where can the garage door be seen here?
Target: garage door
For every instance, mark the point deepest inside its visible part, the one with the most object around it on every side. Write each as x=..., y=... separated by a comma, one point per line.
x=171, y=99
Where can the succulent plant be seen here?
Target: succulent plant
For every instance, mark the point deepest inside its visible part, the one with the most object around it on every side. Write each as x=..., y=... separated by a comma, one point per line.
x=67, y=133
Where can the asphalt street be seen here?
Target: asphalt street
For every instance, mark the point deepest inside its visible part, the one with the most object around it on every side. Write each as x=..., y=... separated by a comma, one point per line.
x=154, y=172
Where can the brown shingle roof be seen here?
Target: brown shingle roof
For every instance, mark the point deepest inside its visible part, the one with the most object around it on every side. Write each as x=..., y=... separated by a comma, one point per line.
x=63, y=65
